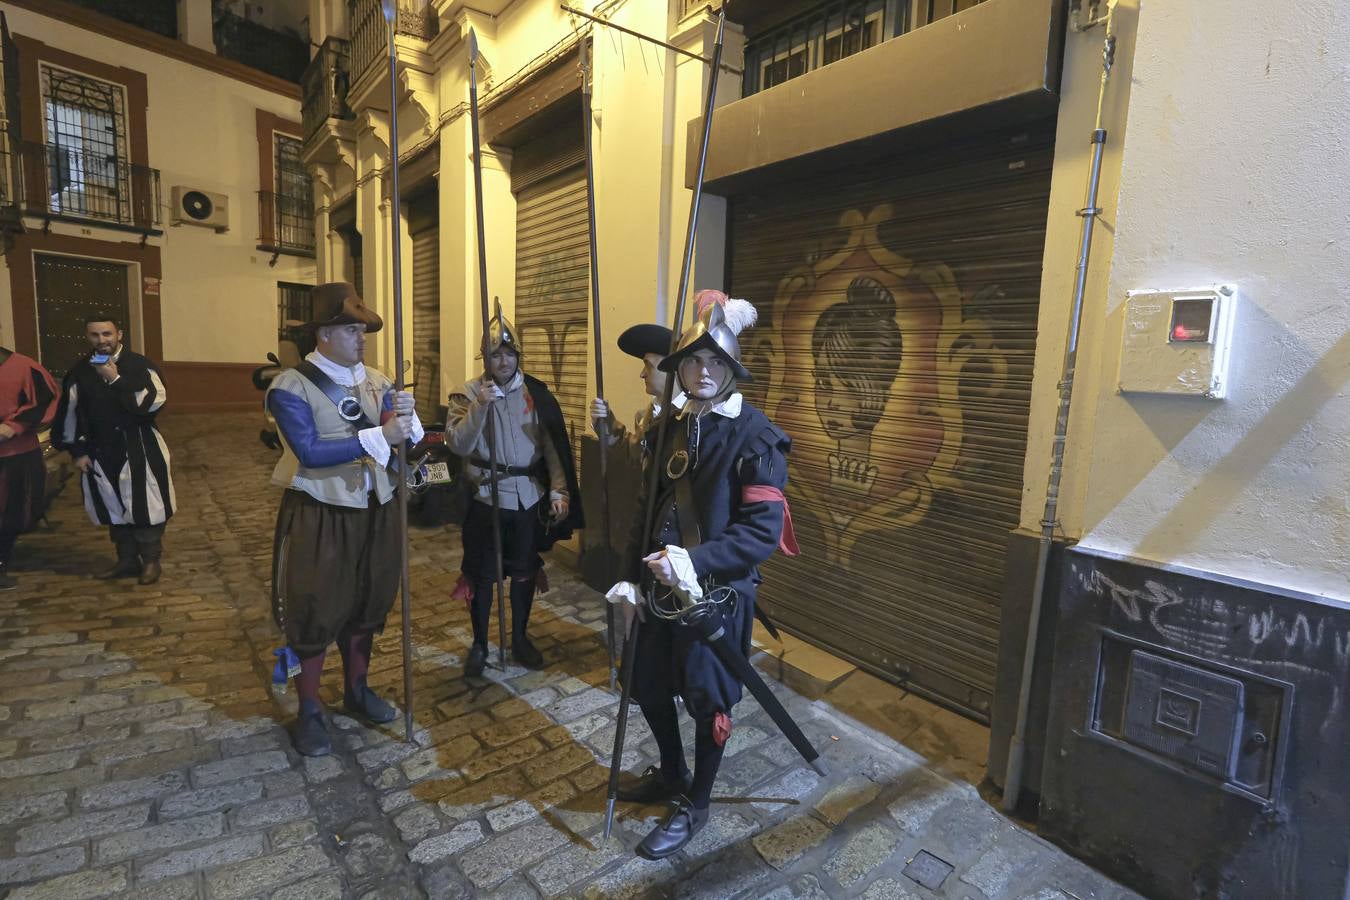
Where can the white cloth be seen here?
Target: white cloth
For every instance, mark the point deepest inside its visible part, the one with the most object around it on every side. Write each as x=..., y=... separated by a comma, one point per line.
x=686, y=580
x=729, y=407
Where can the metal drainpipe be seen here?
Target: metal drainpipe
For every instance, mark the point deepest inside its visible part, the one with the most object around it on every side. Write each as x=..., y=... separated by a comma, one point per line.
x=1012, y=781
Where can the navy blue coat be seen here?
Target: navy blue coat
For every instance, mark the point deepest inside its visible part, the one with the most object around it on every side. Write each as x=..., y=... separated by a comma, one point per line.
x=732, y=454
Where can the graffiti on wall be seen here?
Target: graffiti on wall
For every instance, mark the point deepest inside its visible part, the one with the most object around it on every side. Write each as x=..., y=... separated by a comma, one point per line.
x=881, y=349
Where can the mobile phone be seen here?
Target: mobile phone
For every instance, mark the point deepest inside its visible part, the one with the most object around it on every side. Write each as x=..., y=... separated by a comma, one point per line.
x=99, y=359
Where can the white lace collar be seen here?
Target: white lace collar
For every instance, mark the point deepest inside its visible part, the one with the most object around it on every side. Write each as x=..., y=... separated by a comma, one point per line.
x=729, y=407
x=339, y=373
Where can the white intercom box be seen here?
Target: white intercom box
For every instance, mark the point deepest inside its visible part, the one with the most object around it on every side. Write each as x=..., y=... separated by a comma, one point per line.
x=1178, y=342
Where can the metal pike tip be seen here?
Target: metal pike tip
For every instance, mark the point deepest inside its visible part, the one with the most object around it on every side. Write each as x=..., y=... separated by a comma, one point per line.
x=819, y=765
x=390, y=10
x=473, y=45
x=609, y=817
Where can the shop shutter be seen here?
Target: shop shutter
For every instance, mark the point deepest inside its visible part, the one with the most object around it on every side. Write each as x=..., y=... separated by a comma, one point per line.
x=552, y=285
x=426, y=334
x=898, y=306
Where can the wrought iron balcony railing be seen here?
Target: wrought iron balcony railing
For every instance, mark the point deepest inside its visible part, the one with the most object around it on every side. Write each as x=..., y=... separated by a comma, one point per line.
x=259, y=47
x=285, y=223
x=831, y=31
x=416, y=18
x=67, y=182
x=324, y=86
x=159, y=16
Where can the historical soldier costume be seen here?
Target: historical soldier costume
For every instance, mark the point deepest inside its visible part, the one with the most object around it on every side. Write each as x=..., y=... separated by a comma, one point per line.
x=649, y=343
x=536, y=486
x=336, y=555
x=720, y=513
x=27, y=405
x=106, y=421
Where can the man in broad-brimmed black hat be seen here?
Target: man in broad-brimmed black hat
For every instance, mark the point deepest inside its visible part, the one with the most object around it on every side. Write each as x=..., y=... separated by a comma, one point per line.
x=649, y=343
x=336, y=558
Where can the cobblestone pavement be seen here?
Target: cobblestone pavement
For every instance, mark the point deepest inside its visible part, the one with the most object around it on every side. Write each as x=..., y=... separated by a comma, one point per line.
x=142, y=753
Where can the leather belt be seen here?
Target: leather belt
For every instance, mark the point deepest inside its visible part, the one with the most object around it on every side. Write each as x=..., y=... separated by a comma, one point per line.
x=503, y=469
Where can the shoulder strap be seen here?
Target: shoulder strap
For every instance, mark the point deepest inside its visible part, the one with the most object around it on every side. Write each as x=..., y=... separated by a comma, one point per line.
x=330, y=389
x=686, y=511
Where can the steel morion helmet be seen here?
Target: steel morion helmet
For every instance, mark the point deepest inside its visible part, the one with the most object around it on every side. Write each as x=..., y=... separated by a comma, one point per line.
x=720, y=320
x=501, y=333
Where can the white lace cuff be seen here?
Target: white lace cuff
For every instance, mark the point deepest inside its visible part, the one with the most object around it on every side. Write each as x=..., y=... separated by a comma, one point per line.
x=373, y=442
x=686, y=579
x=623, y=592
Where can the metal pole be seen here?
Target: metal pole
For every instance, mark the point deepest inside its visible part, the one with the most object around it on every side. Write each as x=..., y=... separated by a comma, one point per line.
x=487, y=340
x=598, y=341
x=1012, y=779
x=390, y=15
x=662, y=427
x=644, y=37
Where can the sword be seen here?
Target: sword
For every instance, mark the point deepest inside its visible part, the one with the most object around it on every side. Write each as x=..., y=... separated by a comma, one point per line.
x=712, y=629
x=662, y=426
x=389, y=8
x=487, y=340
x=599, y=344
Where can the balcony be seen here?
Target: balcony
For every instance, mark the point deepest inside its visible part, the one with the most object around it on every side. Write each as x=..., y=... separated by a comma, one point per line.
x=416, y=18
x=259, y=47
x=324, y=86
x=57, y=182
x=831, y=31
x=159, y=16
x=285, y=224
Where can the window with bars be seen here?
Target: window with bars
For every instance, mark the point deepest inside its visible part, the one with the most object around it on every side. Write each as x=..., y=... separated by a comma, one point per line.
x=294, y=308
x=288, y=209
x=84, y=124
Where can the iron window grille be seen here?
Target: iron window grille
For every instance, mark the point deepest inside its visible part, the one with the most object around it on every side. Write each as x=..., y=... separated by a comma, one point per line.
x=287, y=211
x=295, y=307
x=83, y=169
x=416, y=18
x=325, y=85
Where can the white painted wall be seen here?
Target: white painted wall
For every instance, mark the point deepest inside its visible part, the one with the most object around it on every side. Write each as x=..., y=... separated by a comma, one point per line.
x=1234, y=170
x=219, y=295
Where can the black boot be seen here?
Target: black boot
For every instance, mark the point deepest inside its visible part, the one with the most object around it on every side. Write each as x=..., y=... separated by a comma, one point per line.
x=150, y=572
x=679, y=828
x=311, y=731
x=473, y=666
x=526, y=653
x=362, y=702
x=653, y=787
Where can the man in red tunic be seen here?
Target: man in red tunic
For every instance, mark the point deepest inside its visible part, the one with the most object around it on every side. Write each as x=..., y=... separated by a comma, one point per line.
x=27, y=405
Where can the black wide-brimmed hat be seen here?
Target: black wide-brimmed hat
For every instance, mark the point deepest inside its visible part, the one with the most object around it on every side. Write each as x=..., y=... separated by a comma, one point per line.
x=643, y=339
x=337, y=303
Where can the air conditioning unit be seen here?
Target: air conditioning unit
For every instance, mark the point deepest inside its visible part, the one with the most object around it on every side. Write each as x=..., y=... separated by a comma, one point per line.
x=192, y=206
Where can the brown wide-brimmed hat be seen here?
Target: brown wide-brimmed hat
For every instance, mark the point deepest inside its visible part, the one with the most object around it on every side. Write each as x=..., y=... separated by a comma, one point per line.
x=337, y=303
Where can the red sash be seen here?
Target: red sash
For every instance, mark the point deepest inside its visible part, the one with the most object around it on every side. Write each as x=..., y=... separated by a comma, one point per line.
x=757, y=493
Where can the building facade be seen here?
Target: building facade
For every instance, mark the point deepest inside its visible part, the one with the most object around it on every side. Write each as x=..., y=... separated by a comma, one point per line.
x=150, y=173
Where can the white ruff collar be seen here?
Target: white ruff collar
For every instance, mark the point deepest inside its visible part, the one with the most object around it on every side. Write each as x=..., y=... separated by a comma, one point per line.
x=340, y=374
x=729, y=407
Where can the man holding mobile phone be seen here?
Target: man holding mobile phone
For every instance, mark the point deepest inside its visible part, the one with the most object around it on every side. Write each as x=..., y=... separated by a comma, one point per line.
x=106, y=421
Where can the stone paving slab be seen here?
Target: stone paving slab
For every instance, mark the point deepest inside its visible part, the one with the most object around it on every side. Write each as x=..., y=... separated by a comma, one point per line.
x=142, y=750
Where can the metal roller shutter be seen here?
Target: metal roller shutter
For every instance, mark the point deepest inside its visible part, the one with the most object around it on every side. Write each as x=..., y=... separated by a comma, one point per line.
x=426, y=334
x=552, y=285
x=898, y=304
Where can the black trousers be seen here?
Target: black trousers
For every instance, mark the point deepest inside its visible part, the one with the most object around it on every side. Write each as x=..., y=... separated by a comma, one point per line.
x=132, y=541
x=520, y=563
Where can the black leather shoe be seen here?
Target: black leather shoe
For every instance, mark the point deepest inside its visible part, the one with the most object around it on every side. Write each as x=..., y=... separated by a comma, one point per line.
x=473, y=666
x=677, y=830
x=652, y=787
x=150, y=572
x=526, y=653
x=311, y=734
x=125, y=568
x=366, y=704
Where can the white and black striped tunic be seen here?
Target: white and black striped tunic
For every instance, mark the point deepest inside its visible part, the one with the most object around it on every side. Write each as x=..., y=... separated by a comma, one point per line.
x=129, y=482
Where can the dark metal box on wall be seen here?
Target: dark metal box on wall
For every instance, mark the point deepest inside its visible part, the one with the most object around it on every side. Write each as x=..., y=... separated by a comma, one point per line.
x=1206, y=715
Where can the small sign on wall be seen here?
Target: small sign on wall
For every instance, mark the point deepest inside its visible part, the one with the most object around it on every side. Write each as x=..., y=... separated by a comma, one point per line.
x=151, y=288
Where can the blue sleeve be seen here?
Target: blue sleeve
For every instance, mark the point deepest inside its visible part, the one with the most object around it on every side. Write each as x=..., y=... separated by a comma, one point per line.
x=296, y=422
x=752, y=535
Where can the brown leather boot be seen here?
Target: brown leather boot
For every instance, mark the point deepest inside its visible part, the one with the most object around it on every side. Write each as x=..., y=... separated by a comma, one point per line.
x=150, y=572
x=125, y=568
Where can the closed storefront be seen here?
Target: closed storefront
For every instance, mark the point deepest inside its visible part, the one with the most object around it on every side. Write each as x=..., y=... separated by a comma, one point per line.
x=548, y=177
x=426, y=307
x=898, y=306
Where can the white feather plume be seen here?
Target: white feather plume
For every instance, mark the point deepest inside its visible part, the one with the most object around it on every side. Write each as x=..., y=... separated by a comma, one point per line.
x=740, y=314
